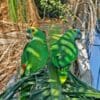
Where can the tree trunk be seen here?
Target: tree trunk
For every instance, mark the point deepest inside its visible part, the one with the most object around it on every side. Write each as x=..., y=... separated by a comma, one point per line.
x=33, y=13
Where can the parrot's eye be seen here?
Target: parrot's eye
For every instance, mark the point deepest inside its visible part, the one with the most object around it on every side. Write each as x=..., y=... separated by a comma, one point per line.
x=43, y=31
x=33, y=30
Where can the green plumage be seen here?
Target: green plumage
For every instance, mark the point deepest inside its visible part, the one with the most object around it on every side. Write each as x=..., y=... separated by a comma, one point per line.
x=35, y=53
x=34, y=57
x=64, y=51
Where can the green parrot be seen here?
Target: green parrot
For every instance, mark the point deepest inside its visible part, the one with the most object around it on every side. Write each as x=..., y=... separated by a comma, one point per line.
x=64, y=52
x=35, y=53
x=34, y=57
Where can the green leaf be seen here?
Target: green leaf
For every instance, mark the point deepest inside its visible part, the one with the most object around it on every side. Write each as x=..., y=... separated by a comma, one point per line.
x=12, y=6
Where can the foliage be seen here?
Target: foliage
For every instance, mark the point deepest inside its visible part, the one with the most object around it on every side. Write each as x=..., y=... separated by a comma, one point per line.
x=41, y=89
x=47, y=8
x=12, y=5
x=17, y=10
x=53, y=8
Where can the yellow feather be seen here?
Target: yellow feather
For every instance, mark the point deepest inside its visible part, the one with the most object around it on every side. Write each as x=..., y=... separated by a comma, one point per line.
x=62, y=79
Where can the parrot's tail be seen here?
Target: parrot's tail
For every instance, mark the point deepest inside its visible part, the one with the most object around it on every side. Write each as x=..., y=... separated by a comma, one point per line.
x=63, y=74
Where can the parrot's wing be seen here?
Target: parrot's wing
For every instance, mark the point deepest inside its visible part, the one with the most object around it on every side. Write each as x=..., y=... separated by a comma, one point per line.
x=34, y=56
x=64, y=52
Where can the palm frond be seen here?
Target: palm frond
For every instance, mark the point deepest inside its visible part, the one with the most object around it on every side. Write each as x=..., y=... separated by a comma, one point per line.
x=12, y=7
x=17, y=10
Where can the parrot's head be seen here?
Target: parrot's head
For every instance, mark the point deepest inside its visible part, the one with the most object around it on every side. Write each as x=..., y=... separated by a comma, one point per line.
x=35, y=32
x=78, y=34
x=74, y=34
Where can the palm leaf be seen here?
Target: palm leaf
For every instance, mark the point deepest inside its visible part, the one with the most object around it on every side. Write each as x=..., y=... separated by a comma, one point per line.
x=12, y=7
x=69, y=89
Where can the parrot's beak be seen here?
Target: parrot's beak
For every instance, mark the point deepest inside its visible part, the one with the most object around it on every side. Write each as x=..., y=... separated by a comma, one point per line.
x=28, y=35
x=79, y=34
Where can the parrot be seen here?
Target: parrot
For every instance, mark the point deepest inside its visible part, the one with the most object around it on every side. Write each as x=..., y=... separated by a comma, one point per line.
x=64, y=52
x=33, y=58
x=35, y=53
